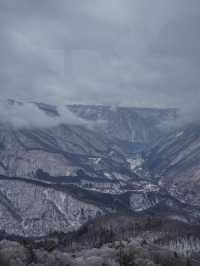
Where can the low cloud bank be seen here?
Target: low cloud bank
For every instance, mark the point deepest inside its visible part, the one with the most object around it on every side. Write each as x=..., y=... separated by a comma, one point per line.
x=184, y=116
x=29, y=115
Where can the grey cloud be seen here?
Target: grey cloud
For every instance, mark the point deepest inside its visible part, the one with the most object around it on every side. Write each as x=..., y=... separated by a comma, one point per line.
x=28, y=115
x=130, y=52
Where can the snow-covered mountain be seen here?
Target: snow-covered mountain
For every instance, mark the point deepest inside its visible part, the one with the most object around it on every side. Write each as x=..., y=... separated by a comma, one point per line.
x=175, y=163
x=97, y=139
x=64, y=167
x=140, y=127
x=60, y=151
x=33, y=208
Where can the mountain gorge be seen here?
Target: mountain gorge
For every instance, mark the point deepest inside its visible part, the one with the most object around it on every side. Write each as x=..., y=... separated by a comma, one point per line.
x=33, y=208
x=175, y=163
x=105, y=140
x=139, y=127
x=109, y=161
x=117, y=183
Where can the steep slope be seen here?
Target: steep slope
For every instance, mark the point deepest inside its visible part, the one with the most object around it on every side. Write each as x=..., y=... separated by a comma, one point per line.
x=57, y=177
x=140, y=127
x=60, y=151
x=33, y=208
x=99, y=142
x=175, y=162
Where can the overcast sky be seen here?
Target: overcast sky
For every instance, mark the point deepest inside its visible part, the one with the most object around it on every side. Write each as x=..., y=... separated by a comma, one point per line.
x=124, y=52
